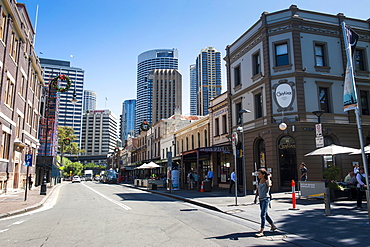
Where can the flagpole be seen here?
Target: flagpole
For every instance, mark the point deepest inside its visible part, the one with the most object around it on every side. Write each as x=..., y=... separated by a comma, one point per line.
x=358, y=118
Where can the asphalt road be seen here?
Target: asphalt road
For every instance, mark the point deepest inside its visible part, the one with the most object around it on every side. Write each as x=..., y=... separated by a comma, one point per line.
x=93, y=214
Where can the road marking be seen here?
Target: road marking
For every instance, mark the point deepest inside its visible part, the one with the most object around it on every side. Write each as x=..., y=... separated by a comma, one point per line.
x=4, y=230
x=18, y=222
x=109, y=199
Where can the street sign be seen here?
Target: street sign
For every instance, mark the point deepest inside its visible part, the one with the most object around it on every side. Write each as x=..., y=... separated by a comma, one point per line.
x=319, y=141
x=28, y=160
x=318, y=130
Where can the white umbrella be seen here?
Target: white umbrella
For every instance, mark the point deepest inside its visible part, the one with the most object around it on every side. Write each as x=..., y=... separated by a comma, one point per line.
x=332, y=150
x=366, y=149
x=152, y=165
x=143, y=166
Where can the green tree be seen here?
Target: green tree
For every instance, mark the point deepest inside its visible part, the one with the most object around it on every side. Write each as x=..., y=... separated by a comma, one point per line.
x=66, y=138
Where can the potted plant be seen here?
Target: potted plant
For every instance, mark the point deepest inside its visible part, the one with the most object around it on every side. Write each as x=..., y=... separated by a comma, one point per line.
x=330, y=176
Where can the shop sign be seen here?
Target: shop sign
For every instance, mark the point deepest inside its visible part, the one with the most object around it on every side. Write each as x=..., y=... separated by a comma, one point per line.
x=284, y=95
x=215, y=149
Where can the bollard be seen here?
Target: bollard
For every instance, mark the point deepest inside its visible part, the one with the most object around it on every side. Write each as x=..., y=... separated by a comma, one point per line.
x=327, y=202
x=293, y=197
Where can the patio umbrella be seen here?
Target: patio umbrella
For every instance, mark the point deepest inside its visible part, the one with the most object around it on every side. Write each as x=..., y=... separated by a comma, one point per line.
x=366, y=149
x=332, y=150
x=143, y=166
x=152, y=165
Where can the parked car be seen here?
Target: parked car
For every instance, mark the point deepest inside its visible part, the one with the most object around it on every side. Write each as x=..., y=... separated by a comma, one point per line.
x=76, y=179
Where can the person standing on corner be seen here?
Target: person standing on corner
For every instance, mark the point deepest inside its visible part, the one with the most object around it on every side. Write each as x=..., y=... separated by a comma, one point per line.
x=361, y=186
x=263, y=192
x=210, y=176
x=232, y=182
x=303, y=172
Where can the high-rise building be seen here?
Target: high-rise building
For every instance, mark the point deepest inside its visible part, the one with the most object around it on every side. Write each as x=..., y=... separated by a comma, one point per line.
x=99, y=132
x=208, y=64
x=167, y=93
x=127, y=126
x=70, y=113
x=90, y=98
x=147, y=61
x=193, y=90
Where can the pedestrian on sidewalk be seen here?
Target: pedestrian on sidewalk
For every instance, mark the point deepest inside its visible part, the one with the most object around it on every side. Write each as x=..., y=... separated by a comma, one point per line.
x=361, y=186
x=210, y=176
x=232, y=182
x=30, y=182
x=263, y=192
x=303, y=172
x=190, y=180
x=196, y=178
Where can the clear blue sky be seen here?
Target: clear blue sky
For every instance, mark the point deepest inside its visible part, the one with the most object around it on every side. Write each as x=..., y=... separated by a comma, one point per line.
x=106, y=37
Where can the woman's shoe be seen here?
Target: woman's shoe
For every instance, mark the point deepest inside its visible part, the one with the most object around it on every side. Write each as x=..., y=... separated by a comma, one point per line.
x=260, y=234
x=273, y=228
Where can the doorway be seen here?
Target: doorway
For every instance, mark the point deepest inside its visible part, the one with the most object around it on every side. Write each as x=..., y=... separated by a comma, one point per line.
x=287, y=161
x=16, y=176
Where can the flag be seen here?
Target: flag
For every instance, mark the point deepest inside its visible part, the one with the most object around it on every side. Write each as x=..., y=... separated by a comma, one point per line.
x=349, y=95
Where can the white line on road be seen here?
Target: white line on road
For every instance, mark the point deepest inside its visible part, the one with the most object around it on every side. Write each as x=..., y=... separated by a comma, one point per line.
x=109, y=199
x=4, y=230
x=18, y=222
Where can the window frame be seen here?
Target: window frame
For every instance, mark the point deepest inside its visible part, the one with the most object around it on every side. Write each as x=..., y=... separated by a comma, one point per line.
x=366, y=103
x=276, y=56
x=327, y=103
x=256, y=65
x=237, y=75
x=363, y=60
x=323, y=55
x=258, y=106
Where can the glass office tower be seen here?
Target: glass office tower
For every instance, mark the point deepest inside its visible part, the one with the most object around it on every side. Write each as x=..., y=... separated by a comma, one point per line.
x=147, y=61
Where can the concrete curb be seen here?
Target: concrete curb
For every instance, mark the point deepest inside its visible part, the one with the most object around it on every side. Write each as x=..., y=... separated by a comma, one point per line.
x=30, y=208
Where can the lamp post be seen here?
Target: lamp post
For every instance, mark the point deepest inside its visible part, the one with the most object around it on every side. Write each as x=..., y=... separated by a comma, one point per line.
x=318, y=114
x=241, y=129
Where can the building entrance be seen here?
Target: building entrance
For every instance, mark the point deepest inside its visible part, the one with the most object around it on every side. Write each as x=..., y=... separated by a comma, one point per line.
x=287, y=161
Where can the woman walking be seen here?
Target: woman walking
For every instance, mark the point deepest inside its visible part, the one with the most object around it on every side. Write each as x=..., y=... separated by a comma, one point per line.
x=263, y=192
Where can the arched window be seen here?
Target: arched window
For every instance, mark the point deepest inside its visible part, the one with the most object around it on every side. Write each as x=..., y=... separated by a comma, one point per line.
x=192, y=141
x=187, y=143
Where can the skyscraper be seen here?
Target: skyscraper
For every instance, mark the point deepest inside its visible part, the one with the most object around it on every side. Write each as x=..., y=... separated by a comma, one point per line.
x=167, y=93
x=147, y=61
x=208, y=77
x=127, y=126
x=90, y=98
x=99, y=132
x=70, y=113
x=193, y=90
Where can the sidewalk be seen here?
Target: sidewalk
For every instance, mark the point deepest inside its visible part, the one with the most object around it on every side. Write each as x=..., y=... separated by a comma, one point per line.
x=307, y=226
x=14, y=203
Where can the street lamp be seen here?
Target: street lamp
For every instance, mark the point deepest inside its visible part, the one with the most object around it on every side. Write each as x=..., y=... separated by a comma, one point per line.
x=318, y=114
x=240, y=129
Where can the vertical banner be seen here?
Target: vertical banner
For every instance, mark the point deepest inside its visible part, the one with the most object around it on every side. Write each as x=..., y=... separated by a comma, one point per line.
x=349, y=94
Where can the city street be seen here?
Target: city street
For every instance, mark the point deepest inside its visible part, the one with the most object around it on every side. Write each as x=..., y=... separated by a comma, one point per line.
x=93, y=214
